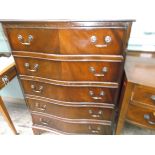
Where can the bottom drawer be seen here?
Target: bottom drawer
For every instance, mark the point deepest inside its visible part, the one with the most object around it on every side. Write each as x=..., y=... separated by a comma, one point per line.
x=141, y=116
x=71, y=126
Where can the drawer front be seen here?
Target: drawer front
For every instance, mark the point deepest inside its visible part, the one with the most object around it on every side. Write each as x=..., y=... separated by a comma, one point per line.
x=72, y=112
x=7, y=76
x=92, y=41
x=70, y=71
x=69, y=94
x=33, y=39
x=141, y=116
x=145, y=95
x=70, y=127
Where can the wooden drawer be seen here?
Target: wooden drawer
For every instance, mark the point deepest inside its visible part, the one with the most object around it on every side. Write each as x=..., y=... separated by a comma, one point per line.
x=145, y=95
x=71, y=126
x=92, y=41
x=70, y=94
x=7, y=76
x=141, y=116
x=34, y=39
x=70, y=71
x=70, y=111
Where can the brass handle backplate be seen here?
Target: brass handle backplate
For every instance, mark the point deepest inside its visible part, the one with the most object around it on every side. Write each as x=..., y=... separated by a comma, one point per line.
x=100, y=97
x=22, y=40
x=103, y=71
x=5, y=79
x=107, y=40
x=35, y=67
x=37, y=91
x=96, y=131
x=39, y=107
x=152, y=97
x=147, y=117
x=99, y=113
x=44, y=122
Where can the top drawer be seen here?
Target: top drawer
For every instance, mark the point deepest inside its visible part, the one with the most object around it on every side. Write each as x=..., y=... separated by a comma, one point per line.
x=68, y=41
x=92, y=41
x=145, y=95
x=34, y=39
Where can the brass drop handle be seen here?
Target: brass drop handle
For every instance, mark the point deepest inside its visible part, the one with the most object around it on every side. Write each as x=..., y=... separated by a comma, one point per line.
x=36, y=91
x=44, y=122
x=147, y=118
x=35, y=67
x=97, y=130
x=103, y=71
x=106, y=40
x=99, y=113
x=100, y=97
x=152, y=97
x=5, y=79
x=28, y=42
x=39, y=107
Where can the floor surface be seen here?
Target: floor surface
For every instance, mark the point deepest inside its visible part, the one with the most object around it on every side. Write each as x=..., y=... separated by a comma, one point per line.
x=22, y=120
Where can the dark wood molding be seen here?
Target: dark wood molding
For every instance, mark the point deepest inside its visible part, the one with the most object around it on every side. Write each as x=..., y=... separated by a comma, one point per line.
x=70, y=83
x=70, y=104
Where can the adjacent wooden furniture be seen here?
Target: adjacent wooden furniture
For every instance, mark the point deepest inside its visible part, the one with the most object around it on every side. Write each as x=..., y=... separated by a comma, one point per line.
x=70, y=72
x=138, y=94
x=6, y=75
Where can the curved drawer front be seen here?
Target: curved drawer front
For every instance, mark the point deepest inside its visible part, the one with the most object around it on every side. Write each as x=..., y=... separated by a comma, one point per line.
x=72, y=112
x=89, y=41
x=141, y=116
x=70, y=126
x=144, y=95
x=71, y=41
x=70, y=71
x=34, y=39
x=69, y=94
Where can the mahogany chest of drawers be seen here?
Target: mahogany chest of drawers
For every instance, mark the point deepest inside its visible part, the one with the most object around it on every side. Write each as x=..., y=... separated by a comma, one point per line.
x=138, y=95
x=70, y=72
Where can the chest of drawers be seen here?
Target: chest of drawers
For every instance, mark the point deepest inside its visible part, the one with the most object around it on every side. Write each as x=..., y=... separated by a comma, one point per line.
x=138, y=97
x=70, y=72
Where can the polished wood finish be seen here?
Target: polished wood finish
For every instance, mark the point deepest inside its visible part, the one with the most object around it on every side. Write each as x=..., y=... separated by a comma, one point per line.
x=103, y=112
x=144, y=95
x=76, y=94
x=136, y=115
x=71, y=126
x=141, y=69
x=138, y=92
x=79, y=41
x=71, y=41
x=126, y=93
x=73, y=69
x=10, y=72
x=49, y=39
x=72, y=58
x=70, y=71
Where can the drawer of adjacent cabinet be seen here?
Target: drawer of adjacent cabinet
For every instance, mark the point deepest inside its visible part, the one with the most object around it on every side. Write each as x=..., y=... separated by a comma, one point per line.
x=33, y=39
x=72, y=126
x=92, y=41
x=141, y=116
x=70, y=71
x=144, y=95
x=70, y=111
x=7, y=76
x=70, y=93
